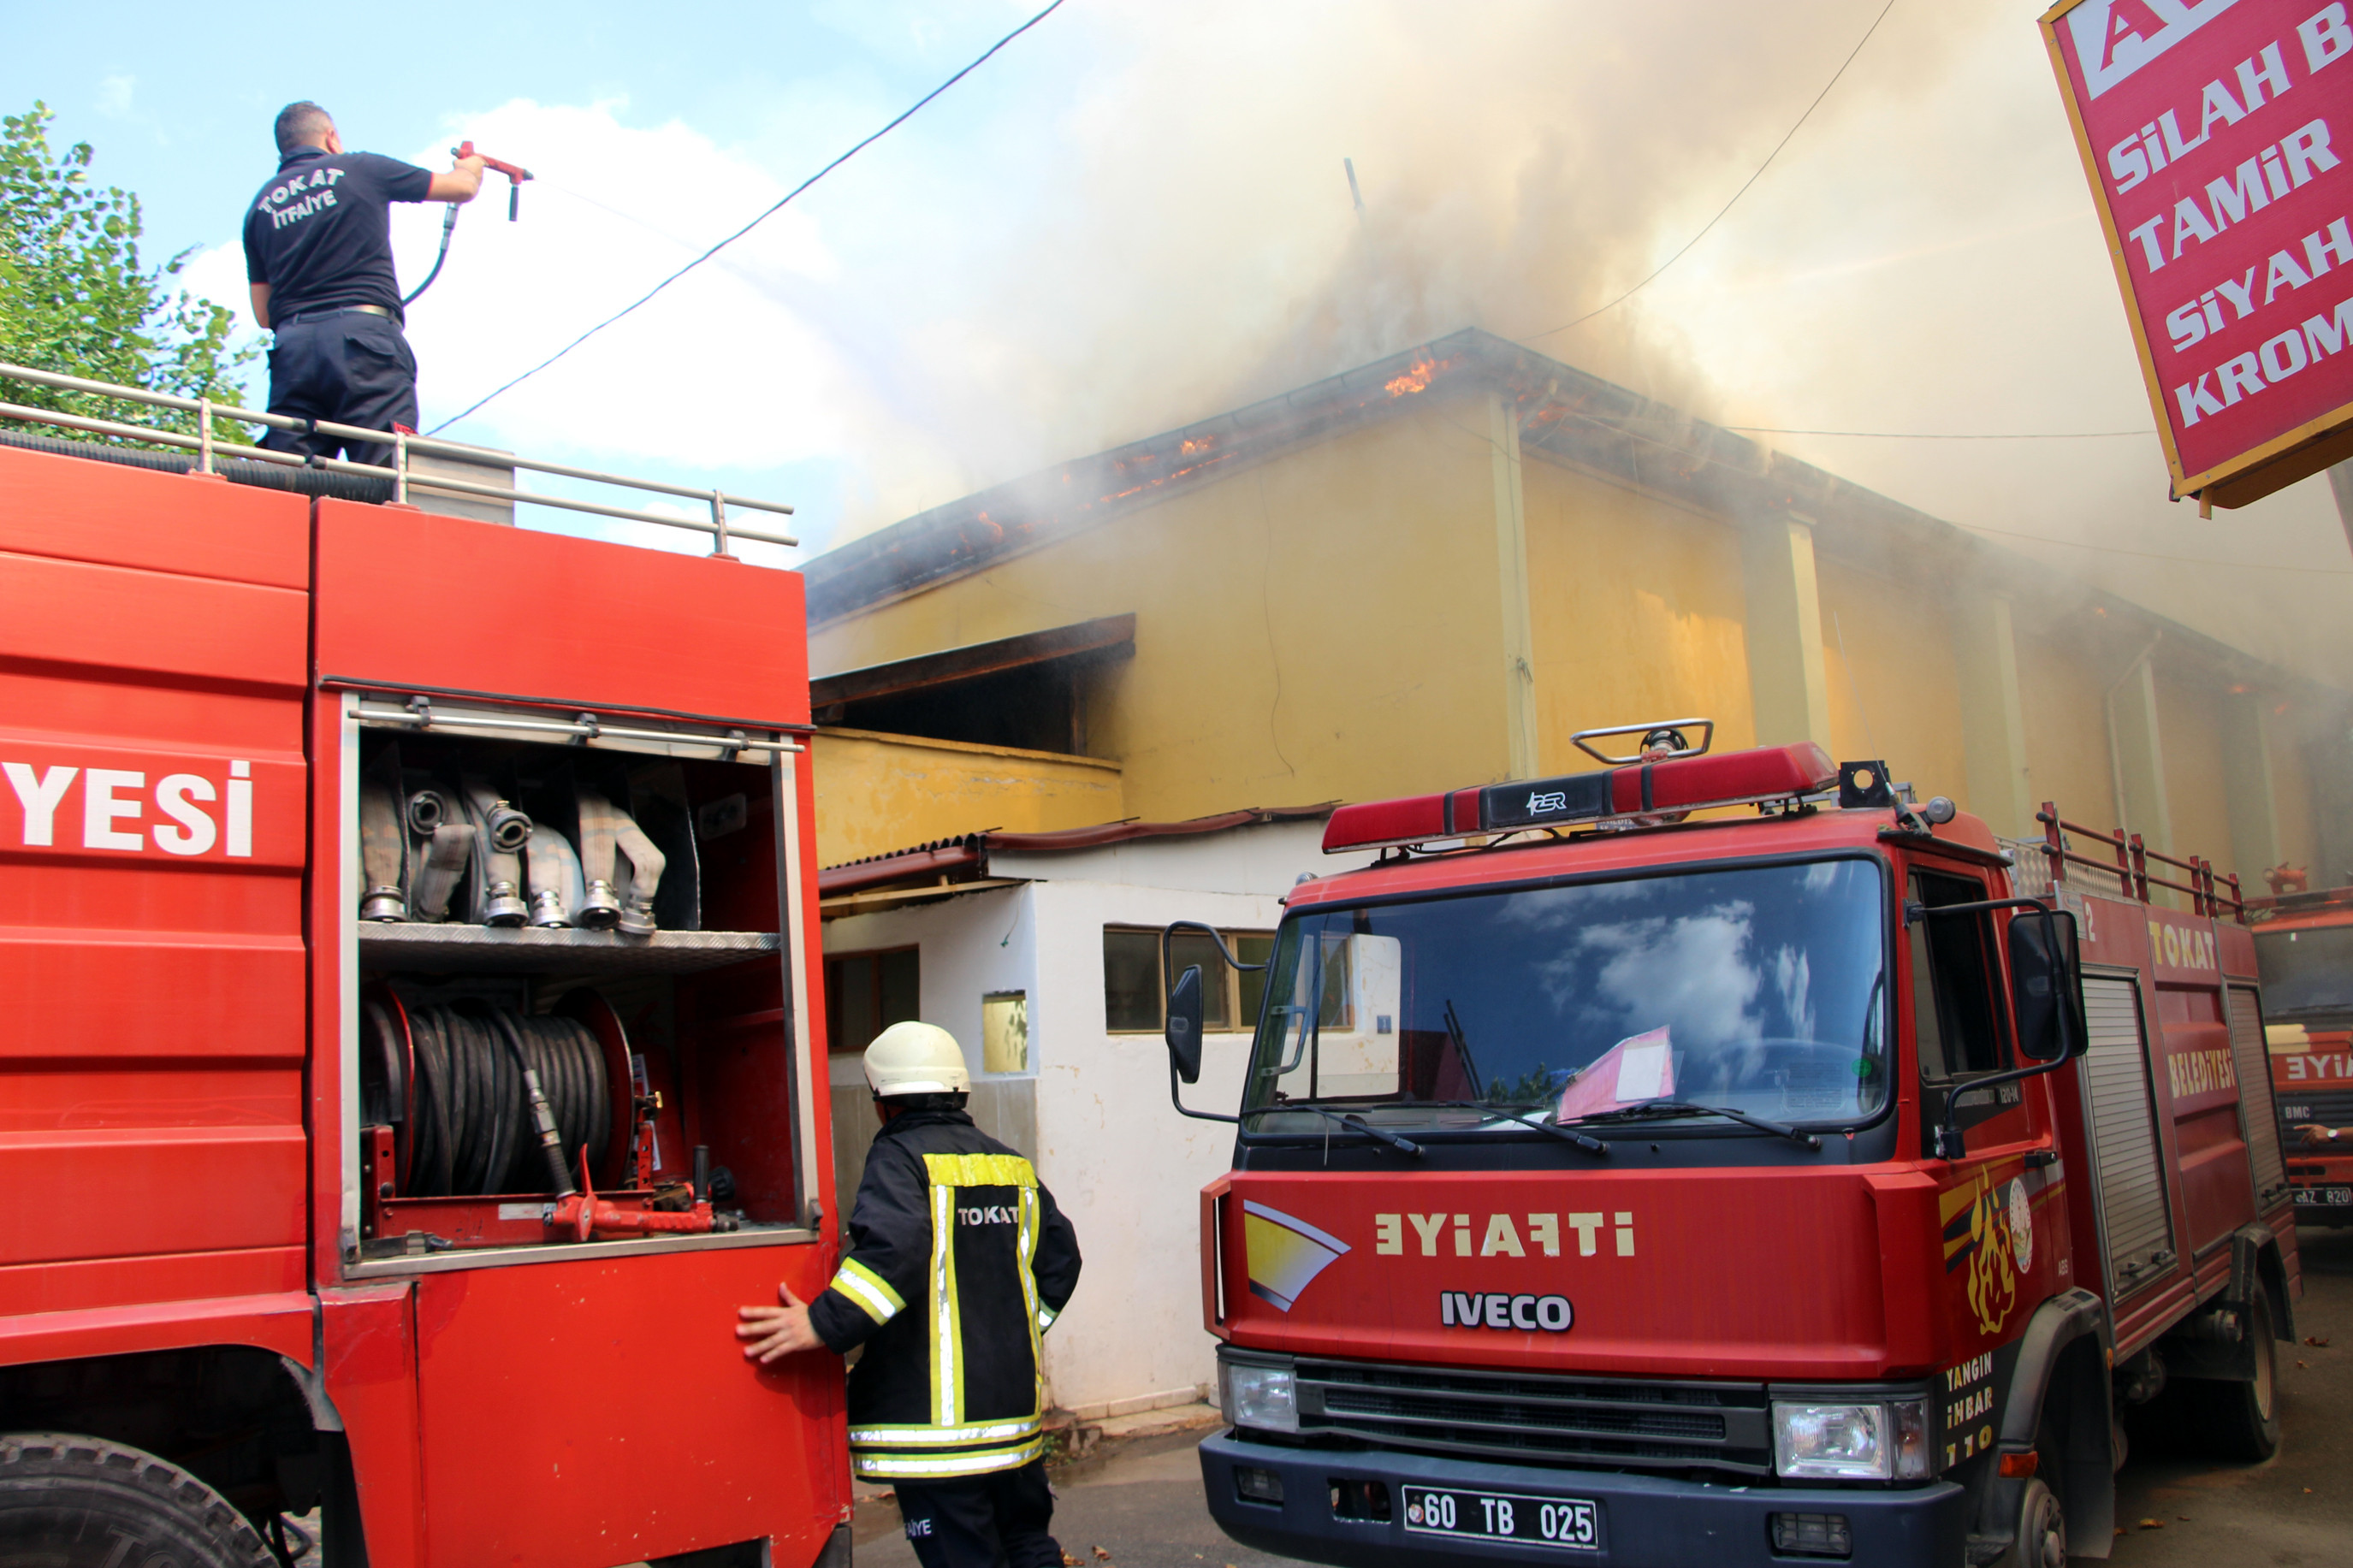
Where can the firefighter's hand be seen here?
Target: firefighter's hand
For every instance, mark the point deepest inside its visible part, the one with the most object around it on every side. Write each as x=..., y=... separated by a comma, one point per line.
x=774, y=1331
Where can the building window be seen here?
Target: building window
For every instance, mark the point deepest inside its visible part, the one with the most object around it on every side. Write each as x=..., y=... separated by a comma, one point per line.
x=1005, y=1032
x=866, y=992
x=1135, y=991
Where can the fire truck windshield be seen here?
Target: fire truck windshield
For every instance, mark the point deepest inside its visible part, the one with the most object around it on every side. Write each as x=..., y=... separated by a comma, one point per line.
x=1757, y=988
x=2306, y=970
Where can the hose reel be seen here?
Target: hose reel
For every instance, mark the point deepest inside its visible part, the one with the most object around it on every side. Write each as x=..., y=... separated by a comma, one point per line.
x=484, y=1099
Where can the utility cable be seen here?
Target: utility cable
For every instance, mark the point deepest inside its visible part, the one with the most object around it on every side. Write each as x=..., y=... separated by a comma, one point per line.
x=2153, y=555
x=1941, y=435
x=904, y=116
x=1743, y=191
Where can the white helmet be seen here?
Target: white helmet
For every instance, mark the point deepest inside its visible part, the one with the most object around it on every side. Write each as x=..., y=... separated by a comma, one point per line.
x=916, y=1058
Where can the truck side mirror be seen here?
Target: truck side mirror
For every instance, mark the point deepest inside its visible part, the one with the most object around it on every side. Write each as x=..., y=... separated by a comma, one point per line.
x=2046, y=987
x=1183, y=1031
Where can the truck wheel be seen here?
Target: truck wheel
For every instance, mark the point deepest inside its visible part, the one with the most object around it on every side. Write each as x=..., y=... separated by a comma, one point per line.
x=67, y=1501
x=2241, y=1420
x=2042, y=1531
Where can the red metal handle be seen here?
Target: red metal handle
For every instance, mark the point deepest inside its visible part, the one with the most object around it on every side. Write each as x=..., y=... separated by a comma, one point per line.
x=512, y=172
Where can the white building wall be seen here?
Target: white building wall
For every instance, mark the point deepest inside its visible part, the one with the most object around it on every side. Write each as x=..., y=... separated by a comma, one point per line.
x=1120, y=1162
x=1123, y=1163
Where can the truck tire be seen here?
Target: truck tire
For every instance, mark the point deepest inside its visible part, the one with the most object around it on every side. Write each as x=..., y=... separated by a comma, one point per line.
x=68, y=1502
x=2042, y=1540
x=2241, y=1420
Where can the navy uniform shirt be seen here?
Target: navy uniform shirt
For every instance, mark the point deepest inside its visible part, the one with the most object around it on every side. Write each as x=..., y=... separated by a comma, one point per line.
x=320, y=232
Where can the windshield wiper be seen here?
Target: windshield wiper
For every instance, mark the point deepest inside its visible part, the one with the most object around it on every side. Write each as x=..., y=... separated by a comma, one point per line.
x=1663, y=1108
x=1455, y=1032
x=1584, y=1140
x=1353, y=1123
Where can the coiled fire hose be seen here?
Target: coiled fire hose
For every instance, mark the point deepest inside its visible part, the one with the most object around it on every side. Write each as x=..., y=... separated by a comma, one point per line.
x=384, y=847
x=605, y=829
x=553, y=877
x=503, y=1101
x=499, y=833
x=438, y=848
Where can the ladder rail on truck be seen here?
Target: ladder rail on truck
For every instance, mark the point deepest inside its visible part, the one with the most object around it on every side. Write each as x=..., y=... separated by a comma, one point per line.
x=2303, y=944
x=1744, y=1189
x=406, y=1169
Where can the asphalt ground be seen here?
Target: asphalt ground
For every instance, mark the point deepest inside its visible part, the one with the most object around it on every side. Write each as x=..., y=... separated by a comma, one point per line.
x=2176, y=1509
x=1136, y=1506
x=1139, y=1505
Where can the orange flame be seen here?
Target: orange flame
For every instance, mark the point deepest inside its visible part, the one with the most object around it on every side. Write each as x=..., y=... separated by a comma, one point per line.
x=1416, y=379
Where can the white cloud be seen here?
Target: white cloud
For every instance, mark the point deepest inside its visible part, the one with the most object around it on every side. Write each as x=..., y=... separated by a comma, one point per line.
x=114, y=94
x=1690, y=973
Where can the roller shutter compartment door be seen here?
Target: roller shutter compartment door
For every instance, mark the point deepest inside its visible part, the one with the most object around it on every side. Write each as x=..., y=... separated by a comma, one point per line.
x=2255, y=1108
x=2124, y=1135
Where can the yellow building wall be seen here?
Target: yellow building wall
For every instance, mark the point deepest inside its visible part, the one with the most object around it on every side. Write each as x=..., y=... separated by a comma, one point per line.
x=2061, y=700
x=1636, y=613
x=1894, y=694
x=876, y=793
x=2189, y=728
x=1324, y=625
x=2291, y=797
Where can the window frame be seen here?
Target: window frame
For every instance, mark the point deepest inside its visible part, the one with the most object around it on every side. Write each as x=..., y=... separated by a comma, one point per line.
x=1938, y=1090
x=1237, y=1021
x=834, y=1044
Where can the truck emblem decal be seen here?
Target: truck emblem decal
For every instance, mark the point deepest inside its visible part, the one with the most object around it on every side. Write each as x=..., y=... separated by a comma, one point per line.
x=1980, y=1238
x=1557, y=800
x=1285, y=1253
x=1495, y=1310
x=2022, y=1227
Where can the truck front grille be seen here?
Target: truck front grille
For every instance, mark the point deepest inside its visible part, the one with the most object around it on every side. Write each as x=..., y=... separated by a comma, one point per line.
x=1529, y=1417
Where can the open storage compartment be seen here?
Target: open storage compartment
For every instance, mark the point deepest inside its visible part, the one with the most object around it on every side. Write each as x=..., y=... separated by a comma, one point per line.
x=571, y=1024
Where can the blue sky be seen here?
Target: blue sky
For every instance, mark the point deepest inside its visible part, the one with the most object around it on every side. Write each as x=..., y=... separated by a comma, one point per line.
x=1136, y=218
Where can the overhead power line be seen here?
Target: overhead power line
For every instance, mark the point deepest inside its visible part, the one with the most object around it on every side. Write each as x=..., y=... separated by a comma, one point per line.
x=1743, y=191
x=1942, y=435
x=2154, y=555
x=903, y=117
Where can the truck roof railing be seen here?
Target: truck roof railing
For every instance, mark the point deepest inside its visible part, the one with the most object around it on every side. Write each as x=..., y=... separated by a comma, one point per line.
x=2211, y=895
x=209, y=449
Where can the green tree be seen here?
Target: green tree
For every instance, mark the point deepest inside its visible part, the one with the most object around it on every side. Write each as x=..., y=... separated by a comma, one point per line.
x=76, y=300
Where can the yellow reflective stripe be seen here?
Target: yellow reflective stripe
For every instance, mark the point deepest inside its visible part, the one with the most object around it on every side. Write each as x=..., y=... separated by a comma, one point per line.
x=1046, y=1316
x=980, y=1171
x=871, y=1292
x=1028, y=1246
x=946, y=1362
x=915, y=1466
x=942, y=1437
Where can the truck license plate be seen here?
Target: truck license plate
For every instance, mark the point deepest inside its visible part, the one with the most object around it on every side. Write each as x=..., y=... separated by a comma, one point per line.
x=2332, y=1198
x=1570, y=1523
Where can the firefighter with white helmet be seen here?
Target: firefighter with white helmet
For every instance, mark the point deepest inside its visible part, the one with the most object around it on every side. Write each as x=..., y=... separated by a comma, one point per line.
x=958, y=1263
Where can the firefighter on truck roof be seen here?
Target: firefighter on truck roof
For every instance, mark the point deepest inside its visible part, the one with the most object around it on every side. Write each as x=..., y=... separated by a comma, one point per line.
x=958, y=1263
x=318, y=252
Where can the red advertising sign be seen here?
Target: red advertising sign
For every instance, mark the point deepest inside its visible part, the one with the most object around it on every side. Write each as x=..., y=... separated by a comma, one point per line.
x=2218, y=138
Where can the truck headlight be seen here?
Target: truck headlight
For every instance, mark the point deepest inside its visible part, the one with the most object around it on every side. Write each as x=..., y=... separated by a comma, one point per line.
x=1833, y=1442
x=1265, y=1397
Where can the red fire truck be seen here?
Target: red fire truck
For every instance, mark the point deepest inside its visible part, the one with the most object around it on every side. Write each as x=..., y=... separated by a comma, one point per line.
x=1752, y=1188
x=407, y=925
x=2303, y=945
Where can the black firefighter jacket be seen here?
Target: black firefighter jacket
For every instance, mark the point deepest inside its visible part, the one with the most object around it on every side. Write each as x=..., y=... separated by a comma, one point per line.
x=958, y=1261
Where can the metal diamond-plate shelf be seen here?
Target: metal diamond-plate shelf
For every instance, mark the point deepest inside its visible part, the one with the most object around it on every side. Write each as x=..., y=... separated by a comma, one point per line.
x=469, y=948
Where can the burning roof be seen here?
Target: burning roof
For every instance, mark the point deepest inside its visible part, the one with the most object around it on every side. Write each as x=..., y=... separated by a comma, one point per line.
x=1566, y=415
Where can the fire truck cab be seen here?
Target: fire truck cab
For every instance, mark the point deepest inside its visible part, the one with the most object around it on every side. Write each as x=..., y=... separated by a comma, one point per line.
x=1622, y=1179
x=2303, y=945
